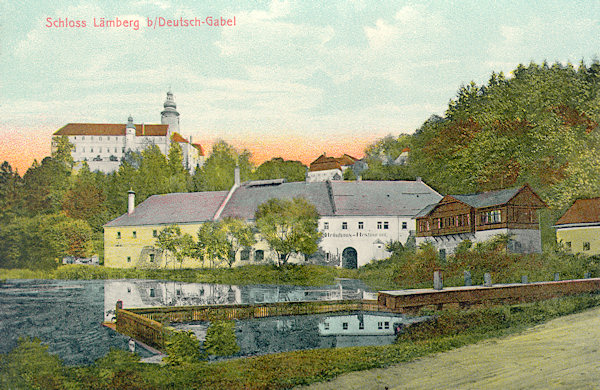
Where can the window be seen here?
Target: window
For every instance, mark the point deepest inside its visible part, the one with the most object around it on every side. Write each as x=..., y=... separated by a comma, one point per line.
x=361, y=225
x=586, y=246
x=100, y=138
x=386, y=225
x=344, y=225
x=493, y=216
x=154, y=233
x=152, y=294
x=380, y=325
x=568, y=245
x=118, y=235
x=387, y=325
x=82, y=150
x=326, y=325
x=134, y=234
x=129, y=259
x=99, y=150
x=361, y=325
x=151, y=257
x=404, y=225
x=178, y=292
x=325, y=225
x=345, y=325
x=82, y=137
x=379, y=225
x=259, y=255
x=245, y=254
x=91, y=150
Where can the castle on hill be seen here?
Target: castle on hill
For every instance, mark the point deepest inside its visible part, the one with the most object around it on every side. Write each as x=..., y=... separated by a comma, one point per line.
x=103, y=145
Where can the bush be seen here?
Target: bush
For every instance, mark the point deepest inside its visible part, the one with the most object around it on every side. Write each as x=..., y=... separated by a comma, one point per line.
x=221, y=339
x=182, y=347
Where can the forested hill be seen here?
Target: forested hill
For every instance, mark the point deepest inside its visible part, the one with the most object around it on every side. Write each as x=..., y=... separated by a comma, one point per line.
x=539, y=126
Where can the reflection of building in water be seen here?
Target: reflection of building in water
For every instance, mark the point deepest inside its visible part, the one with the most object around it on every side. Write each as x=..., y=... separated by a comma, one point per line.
x=152, y=293
x=360, y=324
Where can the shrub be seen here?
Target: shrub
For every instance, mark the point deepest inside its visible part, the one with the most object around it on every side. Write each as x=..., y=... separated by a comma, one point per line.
x=221, y=339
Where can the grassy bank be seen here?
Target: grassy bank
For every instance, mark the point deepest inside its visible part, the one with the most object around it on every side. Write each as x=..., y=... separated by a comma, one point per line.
x=301, y=275
x=30, y=366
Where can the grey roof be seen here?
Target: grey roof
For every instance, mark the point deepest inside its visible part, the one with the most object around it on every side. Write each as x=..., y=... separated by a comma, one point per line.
x=379, y=198
x=337, y=198
x=429, y=208
x=173, y=208
x=491, y=198
x=245, y=200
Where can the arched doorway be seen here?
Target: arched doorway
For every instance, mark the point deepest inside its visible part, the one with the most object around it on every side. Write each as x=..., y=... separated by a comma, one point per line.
x=349, y=258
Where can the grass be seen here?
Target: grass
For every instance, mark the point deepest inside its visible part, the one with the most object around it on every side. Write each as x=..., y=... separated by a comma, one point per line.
x=301, y=275
x=448, y=330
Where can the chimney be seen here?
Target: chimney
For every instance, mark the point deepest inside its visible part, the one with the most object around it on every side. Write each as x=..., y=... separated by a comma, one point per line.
x=237, y=181
x=130, y=201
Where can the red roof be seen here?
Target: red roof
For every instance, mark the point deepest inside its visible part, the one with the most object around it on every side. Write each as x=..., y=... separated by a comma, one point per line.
x=176, y=137
x=200, y=150
x=582, y=211
x=324, y=163
x=111, y=129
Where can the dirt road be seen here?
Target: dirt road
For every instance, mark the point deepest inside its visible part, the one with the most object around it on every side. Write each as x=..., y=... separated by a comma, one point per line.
x=561, y=354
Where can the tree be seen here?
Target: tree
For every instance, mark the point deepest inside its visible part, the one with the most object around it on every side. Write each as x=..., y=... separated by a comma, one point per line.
x=220, y=339
x=239, y=236
x=179, y=176
x=62, y=151
x=85, y=199
x=10, y=192
x=44, y=186
x=217, y=172
x=212, y=242
x=278, y=168
x=180, y=246
x=289, y=227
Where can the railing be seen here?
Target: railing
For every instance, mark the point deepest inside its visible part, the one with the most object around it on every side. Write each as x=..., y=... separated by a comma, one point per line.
x=230, y=312
x=140, y=328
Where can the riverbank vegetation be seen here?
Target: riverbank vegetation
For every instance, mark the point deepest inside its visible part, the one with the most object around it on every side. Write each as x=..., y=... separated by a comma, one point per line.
x=29, y=365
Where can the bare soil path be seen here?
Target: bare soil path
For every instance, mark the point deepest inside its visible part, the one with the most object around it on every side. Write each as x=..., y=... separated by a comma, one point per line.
x=561, y=354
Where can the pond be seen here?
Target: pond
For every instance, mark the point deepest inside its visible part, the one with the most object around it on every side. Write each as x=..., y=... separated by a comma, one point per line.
x=67, y=315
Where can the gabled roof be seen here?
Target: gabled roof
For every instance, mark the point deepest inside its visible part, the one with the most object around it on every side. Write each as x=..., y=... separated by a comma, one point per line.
x=336, y=198
x=110, y=129
x=483, y=199
x=245, y=200
x=381, y=198
x=173, y=208
x=582, y=211
x=324, y=163
x=486, y=199
x=200, y=149
x=176, y=137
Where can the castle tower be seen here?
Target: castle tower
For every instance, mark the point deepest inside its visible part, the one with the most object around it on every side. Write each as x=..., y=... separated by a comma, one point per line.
x=130, y=134
x=170, y=116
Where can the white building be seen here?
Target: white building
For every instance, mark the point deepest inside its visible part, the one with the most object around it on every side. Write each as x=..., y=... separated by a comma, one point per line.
x=357, y=219
x=103, y=145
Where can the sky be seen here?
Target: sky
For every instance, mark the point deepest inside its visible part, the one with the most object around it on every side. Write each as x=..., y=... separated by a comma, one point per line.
x=289, y=79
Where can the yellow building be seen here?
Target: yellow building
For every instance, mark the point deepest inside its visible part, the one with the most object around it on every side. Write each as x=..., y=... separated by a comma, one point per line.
x=130, y=240
x=579, y=228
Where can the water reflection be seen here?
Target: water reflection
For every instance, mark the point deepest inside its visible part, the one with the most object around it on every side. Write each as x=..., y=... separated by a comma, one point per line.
x=155, y=293
x=290, y=333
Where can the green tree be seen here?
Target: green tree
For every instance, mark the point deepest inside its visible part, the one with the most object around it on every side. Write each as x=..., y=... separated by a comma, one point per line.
x=172, y=241
x=62, y=150
x=44, y=186
x=289, y=227
x=212, y=242
x=217, y=173
x=85, y=199
x=239, y=236
x=179, y=180
x=278, y=168
x=10, y=192
x=182, y=347
x=220, y=339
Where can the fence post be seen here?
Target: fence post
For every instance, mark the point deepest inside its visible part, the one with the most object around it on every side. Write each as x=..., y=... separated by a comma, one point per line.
x=524, y=279
x=468, y=281
x=587, y=275
x=487, y=280
x=438, y=283
x=556, y=276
